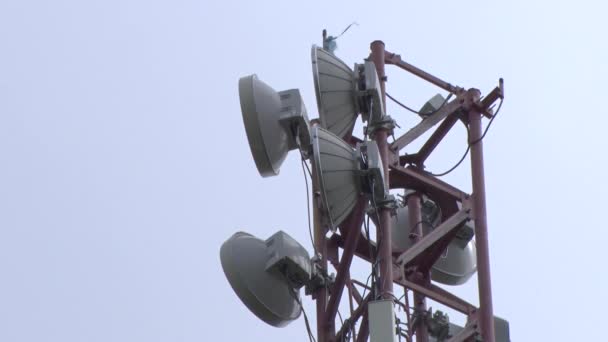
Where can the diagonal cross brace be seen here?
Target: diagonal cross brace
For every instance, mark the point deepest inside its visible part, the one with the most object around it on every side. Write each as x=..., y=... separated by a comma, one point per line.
x=352, y=239
x=439, y=295
x=415, y=178
x=469, y=331
x=426, y=124
x=354, y=317
x=434, y=236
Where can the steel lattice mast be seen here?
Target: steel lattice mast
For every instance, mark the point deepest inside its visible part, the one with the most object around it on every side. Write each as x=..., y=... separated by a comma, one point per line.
x=411, y=269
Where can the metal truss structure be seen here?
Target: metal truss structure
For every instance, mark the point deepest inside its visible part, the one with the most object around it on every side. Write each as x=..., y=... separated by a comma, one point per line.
x=410, y=269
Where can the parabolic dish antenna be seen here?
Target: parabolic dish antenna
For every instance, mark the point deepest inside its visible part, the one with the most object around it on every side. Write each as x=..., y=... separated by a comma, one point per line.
x=337, y=167
x=269, y=117
x=342, y=93
x=260, y=272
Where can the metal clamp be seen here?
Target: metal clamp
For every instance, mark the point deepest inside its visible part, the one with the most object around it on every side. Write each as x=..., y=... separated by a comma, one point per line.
x=386, y=123
x=319, y=278
x=389, y=202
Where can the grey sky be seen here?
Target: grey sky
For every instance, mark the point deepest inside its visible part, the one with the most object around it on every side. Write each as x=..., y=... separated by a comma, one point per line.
x=124, y=163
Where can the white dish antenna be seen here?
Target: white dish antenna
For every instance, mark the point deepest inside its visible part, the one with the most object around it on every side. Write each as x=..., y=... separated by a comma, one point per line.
x=343, y=93
x=267, y=275
x=275, y=122
x=344, y=174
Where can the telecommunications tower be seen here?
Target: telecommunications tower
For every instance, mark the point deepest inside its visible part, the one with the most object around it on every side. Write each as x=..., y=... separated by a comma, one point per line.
x=427, y=231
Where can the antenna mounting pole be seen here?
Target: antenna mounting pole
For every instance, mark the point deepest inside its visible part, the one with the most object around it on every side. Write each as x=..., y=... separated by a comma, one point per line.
x=384, y=227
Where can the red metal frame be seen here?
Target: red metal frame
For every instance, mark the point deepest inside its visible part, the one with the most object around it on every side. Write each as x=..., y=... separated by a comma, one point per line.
x=385, y=255
x=411, y=268
x=414, y=206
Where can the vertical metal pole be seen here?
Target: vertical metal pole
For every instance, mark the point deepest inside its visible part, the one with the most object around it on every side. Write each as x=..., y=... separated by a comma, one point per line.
x=384, y=228
x=414, y=207
x=406, y=297
x=320, y=244
x=486, y=313
x=351, y=305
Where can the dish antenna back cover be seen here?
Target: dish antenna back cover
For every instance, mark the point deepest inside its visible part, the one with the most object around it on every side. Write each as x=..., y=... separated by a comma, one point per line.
x=266, y=275
x=270, y=118
x=337, y=165
x=455, y=266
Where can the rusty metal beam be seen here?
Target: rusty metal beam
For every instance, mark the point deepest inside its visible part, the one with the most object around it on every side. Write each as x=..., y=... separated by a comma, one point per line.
x=349, y=287
x=320, y=295
x=394, y=59
x=429, y=146
x=426, y=124
x=383, y=230
x=468, y=331
x=363, y=328
x=439, y=295
x=414, y=207
x=351, y=294
x=354, y=224
x=414, y=178
x=356, y=293
x=435, y=235
x=431, y=256
x=434, y=140
x=484, y=281
x=362, y=250
x=354, y=318
x=406, y=300
x=365, y=286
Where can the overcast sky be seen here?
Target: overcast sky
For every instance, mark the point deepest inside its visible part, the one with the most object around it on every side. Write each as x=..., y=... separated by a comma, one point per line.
x=124, y=162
